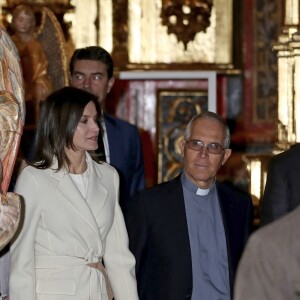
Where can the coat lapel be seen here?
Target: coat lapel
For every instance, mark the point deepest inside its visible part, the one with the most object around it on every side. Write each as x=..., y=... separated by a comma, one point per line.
x=97, y=193
x=229, y=215
x=67, y=188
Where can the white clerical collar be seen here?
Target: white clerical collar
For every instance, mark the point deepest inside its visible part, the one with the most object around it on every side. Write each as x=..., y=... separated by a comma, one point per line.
x=202, y=192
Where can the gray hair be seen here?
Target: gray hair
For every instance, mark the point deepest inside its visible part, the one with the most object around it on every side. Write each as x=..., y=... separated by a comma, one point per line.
x=209, y=115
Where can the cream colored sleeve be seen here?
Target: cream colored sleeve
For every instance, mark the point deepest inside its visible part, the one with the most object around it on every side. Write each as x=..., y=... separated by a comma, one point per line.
x=119, y=261
x=22, y=271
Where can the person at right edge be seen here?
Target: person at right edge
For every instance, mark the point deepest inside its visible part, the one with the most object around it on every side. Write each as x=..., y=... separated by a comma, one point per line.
x=91, y=69
x=282, y=191
x=188, y=234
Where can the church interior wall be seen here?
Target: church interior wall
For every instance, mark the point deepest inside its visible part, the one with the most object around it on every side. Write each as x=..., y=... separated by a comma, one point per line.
x=246, y=89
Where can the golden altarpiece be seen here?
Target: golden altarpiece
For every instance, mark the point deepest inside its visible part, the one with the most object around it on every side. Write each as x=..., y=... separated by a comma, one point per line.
x=193, y=40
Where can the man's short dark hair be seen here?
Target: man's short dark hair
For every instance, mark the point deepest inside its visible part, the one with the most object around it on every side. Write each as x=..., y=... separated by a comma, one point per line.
x=93, y=53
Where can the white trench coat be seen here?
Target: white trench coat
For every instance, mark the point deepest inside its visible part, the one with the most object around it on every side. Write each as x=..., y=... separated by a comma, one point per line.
x=63, y=232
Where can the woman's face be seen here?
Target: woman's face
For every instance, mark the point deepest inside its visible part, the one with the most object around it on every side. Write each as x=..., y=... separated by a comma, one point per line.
x=87, y=131
x=23, y=23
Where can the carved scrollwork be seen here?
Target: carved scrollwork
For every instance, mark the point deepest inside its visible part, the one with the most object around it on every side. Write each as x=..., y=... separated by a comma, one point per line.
x=185, y=18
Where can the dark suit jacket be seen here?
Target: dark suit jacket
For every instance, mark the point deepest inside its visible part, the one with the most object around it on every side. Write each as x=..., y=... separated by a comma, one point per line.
x=282, y=191
x=158, y=237
x=126, y=156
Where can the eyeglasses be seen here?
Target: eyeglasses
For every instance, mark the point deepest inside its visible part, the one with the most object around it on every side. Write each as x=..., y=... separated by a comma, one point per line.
x=197, y=145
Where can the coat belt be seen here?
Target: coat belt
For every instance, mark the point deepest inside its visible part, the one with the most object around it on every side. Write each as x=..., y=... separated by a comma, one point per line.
x=53, y=262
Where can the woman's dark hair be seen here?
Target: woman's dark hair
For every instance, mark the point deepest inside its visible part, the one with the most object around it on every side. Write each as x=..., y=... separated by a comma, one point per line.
x=60, y=114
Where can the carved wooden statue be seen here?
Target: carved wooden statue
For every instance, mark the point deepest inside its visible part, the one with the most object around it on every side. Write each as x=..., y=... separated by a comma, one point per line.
x=42, y=54
x=12, y=117
x=43, y=60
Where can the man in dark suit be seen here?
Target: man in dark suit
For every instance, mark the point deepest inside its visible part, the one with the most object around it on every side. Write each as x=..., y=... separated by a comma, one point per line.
x=282, y=191
x=91, y=69
x=188, y=234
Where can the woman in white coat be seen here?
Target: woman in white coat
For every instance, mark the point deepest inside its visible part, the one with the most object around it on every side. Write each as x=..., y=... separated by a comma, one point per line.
x=72, y=216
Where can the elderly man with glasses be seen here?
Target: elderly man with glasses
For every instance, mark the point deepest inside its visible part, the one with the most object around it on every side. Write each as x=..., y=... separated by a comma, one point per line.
x=188, y=234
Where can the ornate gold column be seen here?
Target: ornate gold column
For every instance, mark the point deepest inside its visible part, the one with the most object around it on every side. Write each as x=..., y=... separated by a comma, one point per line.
x=288, y=79
x=291, y=13
x=295, y=46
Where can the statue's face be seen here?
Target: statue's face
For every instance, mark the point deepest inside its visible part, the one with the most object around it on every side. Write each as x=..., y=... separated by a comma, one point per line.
x=23, y=23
